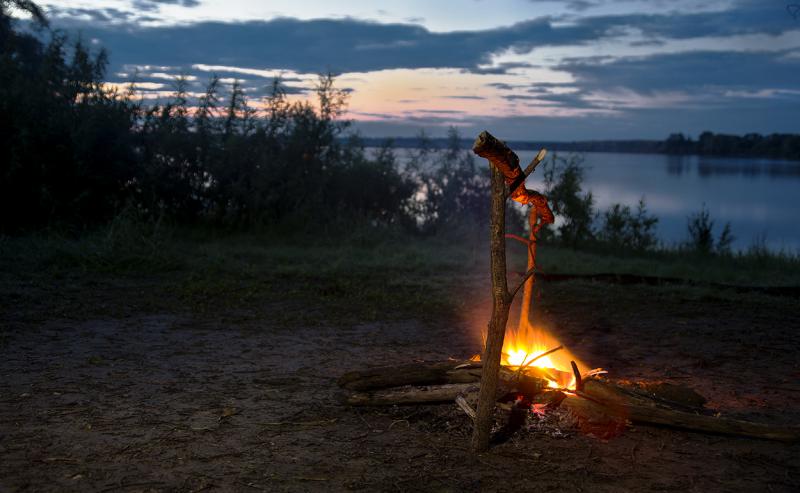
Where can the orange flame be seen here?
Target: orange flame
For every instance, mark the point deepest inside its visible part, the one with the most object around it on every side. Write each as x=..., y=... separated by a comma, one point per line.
x=523, y=347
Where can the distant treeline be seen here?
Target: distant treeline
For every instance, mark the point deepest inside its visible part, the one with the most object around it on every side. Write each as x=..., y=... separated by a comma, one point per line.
x=75, y=154
x=774, y=146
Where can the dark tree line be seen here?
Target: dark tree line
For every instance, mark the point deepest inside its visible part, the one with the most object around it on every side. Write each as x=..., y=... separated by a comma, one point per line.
x=75, y=153
x=776, y=146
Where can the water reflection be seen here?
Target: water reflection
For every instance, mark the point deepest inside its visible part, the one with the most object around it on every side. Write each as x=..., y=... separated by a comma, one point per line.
x=757, y=196
x=707, y=167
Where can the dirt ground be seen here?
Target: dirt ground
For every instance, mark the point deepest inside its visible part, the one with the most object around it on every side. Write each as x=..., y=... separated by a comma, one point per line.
x=126, y=399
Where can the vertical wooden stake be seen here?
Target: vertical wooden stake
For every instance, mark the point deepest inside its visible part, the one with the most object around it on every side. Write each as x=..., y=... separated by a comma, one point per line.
x=505, y=171
x=497, y=324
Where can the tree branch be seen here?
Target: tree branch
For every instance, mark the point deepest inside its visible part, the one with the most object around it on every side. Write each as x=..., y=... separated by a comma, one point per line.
x=520, y=239
x=527, y=275
x=519, y=180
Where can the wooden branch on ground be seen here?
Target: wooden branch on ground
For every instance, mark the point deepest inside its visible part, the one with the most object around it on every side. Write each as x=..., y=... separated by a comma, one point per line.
x=601, y=407
x=411, y=395
x=638, y=409
x=425, y=373
x=441, y=373
x=462, y=403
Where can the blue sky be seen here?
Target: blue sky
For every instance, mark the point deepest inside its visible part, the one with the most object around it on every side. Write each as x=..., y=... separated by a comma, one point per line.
x=526, y=69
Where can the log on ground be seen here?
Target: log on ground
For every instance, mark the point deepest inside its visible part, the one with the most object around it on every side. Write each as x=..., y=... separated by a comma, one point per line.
x=639, y=409
x=411, y=395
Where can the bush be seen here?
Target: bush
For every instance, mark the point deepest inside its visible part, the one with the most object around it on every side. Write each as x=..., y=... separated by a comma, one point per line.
x=574, y=209
x=701, y=234
x=73, y=154
x=627, y=230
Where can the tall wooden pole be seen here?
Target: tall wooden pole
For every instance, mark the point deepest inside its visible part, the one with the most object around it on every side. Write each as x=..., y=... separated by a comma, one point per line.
x=497, y=324
x=505, y=171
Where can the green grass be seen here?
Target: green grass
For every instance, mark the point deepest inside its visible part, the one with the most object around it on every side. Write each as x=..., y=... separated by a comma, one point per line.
x=295, y=279
x=745, y=269
x=350, y=277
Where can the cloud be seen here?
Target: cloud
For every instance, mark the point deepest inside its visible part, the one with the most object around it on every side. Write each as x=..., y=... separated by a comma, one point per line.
x=697, y=71
x=351, y=45
x=720, y=90
x=465, y=96
x=153, y=5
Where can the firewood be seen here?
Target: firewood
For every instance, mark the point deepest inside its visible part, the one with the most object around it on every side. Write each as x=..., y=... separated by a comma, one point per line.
x=594, y=418
x=411, y=395
x=423, y=373
x=462, y=403
x=530, y=381
x=639, y=409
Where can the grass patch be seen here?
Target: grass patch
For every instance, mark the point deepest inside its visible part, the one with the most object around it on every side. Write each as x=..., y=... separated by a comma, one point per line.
x=305, y=280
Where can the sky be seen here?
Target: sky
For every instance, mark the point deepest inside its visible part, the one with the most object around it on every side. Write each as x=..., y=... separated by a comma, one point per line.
x=524, y=69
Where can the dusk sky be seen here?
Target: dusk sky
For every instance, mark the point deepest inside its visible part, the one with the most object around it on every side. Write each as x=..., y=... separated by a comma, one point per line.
x=527, y=69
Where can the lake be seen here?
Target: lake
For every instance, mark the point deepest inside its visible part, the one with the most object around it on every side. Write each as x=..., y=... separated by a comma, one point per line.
x=759, y=197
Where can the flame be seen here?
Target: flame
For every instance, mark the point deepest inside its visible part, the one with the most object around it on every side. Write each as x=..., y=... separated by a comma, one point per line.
x=524, y=346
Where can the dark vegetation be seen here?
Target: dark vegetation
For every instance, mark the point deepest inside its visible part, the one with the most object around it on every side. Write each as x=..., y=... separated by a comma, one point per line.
x=107, y=171
x=774, y=146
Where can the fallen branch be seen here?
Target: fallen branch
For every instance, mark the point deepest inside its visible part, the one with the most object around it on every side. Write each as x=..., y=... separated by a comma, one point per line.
x=637, y=409
x=464, y=406
x=411, y=395
x=425, y=373
x=439, y=373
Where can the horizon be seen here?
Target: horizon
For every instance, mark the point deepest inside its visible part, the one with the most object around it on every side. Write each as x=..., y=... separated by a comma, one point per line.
x=532, y=70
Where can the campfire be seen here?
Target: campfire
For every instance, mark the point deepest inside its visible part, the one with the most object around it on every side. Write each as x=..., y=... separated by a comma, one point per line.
x=524, y=374
x=534, y=348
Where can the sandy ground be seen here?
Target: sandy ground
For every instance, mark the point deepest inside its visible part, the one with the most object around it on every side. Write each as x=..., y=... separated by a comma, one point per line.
x=176, y=401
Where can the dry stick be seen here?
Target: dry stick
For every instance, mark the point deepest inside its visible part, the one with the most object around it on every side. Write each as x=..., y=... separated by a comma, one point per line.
x=577, y=373
x=464, y=406
x=410, y=395
x=520, y=239
x=549, y=351
x=525, y=277
x=530, y=169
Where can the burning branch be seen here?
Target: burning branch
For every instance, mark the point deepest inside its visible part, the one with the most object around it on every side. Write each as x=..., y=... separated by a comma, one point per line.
x=539, y=356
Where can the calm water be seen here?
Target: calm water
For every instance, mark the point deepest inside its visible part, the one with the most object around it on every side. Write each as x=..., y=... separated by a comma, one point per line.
x=759, y=197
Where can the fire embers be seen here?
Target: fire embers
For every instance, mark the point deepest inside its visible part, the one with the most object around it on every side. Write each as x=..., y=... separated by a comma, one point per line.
x=533, y=413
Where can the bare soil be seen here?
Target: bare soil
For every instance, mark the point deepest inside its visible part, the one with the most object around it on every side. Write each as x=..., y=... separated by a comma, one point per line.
x=102, y=389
